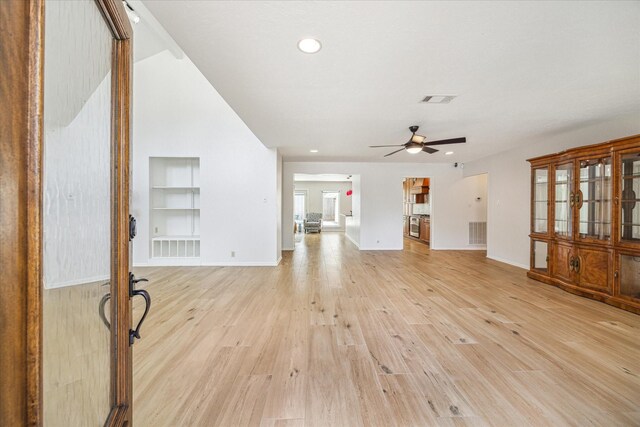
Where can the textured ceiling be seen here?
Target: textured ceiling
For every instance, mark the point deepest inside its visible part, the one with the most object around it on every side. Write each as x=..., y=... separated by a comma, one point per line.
x=522, y=70
x=329, y=177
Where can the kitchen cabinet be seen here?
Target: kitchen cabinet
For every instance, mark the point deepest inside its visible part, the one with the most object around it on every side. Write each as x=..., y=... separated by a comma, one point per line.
x=406, y=196
x=585, y=221
x=425, y=229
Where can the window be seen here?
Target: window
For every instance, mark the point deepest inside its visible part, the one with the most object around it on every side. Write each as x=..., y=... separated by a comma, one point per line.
x=299, y=205
x=330, y=206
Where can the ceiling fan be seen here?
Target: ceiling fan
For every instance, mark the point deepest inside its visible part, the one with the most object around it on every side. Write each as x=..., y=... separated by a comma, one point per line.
x=416, y=143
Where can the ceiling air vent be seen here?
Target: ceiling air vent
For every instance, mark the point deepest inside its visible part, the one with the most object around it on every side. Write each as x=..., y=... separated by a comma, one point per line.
x=438, y=99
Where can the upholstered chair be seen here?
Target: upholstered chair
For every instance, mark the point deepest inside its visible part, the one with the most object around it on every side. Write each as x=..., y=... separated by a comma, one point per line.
x=313, y=222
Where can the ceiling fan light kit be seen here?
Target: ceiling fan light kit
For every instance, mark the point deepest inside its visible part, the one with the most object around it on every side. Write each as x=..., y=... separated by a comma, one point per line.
x=416, y=143
x=414, y=147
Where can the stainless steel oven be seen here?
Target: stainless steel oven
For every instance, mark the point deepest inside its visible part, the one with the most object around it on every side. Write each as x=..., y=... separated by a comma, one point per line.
x=414, y=226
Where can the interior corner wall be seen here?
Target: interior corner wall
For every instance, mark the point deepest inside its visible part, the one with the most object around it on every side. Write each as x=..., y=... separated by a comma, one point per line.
x=379, y=211
x=178, y=113
x=509, y=184
x=477, y=197
x=279, y=208
x=352, y=230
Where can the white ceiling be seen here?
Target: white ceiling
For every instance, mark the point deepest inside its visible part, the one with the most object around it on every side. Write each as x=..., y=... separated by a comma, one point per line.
x=522, y=71
x=150, y=37
x=324, y=177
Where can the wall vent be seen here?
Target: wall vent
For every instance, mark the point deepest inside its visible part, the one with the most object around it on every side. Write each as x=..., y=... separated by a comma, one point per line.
x=438, y=99
x=477, y=233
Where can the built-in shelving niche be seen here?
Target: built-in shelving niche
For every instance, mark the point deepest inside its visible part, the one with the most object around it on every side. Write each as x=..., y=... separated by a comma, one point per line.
x=174, y=207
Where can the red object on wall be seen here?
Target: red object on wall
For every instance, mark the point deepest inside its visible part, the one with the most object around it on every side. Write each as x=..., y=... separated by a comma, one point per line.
x=349, y=192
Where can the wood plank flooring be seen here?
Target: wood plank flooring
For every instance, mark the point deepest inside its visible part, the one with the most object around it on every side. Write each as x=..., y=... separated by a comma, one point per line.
x=338, y=337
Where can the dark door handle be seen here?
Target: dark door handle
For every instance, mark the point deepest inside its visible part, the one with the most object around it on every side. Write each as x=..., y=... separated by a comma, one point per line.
x=135, y=333
x=103, y=316
x=132, y=283
x=132, y=227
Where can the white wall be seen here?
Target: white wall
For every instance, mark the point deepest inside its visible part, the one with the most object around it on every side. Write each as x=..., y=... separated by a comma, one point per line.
x=314, y=191
x=474, y=188
x=379, y=189
x=509, y=184
x=177, y=113
x=352, y=226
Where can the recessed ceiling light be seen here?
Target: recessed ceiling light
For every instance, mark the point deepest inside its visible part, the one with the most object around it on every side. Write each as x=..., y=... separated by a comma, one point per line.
x=309, y=45
x=313, y=151
x=448, y=153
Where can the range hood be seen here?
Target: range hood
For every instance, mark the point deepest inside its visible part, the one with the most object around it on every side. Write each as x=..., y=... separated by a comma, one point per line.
x=420, y=186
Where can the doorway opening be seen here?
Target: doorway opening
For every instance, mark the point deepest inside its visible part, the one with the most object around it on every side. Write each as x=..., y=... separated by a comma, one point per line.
x=331, y=208
x=299, y=208
x=416, y=197
x=321, y=203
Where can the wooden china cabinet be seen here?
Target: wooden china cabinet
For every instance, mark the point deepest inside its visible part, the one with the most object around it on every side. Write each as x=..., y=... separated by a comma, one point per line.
x=585, y=221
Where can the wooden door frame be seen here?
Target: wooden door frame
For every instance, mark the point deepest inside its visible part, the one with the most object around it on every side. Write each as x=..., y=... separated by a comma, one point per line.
x=21, y=146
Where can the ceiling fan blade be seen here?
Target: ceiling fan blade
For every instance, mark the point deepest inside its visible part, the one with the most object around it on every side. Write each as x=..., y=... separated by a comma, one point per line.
x=429, y=150
x=447, y=141
x=378, y=146
x=394, y=152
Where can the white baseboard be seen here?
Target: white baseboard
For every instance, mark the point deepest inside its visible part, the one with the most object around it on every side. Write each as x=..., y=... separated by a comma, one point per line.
x=139, y=264
x=378, y=248
x=352, y=241
x=170, y=262
x=288, y=249
x=505, y=261
x=181, y=263
x=240, y=264
x=466, y=248
x=279, y=260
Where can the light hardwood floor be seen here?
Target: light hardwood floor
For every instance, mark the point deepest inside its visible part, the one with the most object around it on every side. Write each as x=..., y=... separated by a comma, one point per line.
x=338, y=337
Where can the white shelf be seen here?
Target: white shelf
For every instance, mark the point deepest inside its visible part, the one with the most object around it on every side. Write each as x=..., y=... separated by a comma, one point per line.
x=159, y=187
x=174, y=197
x=175, y=247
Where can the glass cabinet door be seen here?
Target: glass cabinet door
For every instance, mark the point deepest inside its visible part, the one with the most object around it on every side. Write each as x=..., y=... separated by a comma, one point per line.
x=540, y=200
x=630, y=276
x=630, y=207
x=540, y=258
x=593, y=199
x=77, y=226
x=563, y=200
